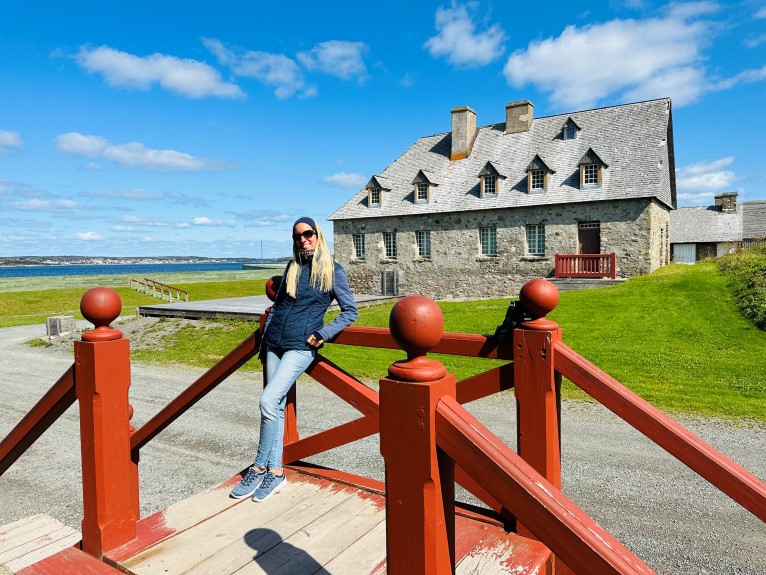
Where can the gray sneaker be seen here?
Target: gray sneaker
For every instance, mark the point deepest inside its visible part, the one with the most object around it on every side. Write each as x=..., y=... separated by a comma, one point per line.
x=270, y=485
x=250, y=482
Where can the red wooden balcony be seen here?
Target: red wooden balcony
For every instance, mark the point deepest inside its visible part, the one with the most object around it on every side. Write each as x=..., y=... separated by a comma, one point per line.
x=585, y=266
x=335, y=521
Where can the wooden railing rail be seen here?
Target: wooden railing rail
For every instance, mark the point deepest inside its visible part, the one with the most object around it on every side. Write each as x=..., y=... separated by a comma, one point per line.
x=585, y=266
x=462, y=344
x=166, y=291
x=197, y=390
x=51, y=406
x=555, y=520
x=739, y=484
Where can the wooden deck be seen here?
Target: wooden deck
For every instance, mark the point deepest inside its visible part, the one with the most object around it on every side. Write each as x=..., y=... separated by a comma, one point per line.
x=311, y=526
x=248, y=308
x=29, y=540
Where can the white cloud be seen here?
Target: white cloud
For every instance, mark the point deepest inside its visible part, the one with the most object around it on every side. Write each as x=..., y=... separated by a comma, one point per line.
x=337, y=58
x=275, y=70
x=40, y=205
x=135, y=155
x=144, y=221
x=89, y=236
x=9, y=141
x=182, y=76
x=745, y=77
x=705, y=178
x=81, y=145
x=761, y=13
x=118, y=228
x=137, y=194
x=706, y=167
x=205, y=221
x=628, y=57
x=458, y=41
x=755, y=42
x=345, y=180
x=185, y=199
x=34, y=205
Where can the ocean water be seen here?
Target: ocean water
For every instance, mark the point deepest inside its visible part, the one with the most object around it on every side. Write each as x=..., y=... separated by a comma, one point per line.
x=140, y=270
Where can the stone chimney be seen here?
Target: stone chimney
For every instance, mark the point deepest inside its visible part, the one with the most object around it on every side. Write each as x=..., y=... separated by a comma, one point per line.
x=518, y=116
x=727, y=202
x=463, y=132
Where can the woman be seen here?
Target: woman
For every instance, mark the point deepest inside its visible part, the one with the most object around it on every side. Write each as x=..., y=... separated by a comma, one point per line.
x=293, y=333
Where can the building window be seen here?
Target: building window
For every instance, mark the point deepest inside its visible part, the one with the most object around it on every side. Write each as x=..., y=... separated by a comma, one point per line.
x=536, y=239
x=537, y=179
x=359, y=246
x=489, y=186
x=389, y=240
x=424, y=243
x=374, y=198
x=570, y=133
x=421, y=193
x=590, y=174
x=488, y=239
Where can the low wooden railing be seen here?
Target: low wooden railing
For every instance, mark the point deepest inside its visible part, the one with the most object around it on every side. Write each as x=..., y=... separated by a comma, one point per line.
x=585, y=266
x=159, y=290
x=428, y=441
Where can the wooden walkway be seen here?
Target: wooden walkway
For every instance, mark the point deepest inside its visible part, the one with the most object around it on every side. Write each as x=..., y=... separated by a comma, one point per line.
x=311, y=526
x=29, y=540
x=248, y=308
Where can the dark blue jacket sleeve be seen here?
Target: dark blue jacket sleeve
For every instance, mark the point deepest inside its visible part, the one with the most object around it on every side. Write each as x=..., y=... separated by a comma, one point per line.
x=341, y=291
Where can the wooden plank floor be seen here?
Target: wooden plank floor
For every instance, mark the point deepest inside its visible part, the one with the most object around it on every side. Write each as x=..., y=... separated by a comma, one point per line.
x=311, y=526
x=246, y=308
x=32, y=539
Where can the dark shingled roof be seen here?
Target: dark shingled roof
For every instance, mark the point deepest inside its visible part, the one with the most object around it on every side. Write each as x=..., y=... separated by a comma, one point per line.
x=633, y=140
x=706, y=224
x=754, y=219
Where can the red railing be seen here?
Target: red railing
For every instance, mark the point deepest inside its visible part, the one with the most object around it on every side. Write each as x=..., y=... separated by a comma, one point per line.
x=428, y=441
x=585, y=266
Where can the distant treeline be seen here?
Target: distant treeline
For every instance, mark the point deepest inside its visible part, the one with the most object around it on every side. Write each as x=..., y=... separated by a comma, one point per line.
x=96, y=260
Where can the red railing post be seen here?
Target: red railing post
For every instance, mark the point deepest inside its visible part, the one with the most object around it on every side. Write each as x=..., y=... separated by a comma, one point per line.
x=420, y=484
x=538, y=388
x=102, y=379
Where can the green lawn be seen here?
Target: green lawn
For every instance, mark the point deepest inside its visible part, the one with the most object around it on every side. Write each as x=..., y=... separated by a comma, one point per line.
x=675, y=337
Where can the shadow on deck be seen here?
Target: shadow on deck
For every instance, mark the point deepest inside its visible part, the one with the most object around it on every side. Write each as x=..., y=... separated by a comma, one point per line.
x=312, y=525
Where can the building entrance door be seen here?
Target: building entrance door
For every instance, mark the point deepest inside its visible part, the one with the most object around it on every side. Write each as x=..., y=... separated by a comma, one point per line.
x=589, y=238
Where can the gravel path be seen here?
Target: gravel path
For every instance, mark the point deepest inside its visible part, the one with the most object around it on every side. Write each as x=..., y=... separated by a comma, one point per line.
x=662, y=511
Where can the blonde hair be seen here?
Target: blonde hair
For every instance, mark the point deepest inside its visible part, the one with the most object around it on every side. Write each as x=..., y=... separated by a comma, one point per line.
x=322, y=267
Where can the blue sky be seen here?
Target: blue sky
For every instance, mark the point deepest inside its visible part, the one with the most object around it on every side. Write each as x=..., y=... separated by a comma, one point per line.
x=201, y=128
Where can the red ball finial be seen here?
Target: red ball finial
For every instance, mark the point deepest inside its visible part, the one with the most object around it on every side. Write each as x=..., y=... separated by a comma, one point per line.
x=417, y=325
x=101, y=306
x=539, y=297
x=272, y=286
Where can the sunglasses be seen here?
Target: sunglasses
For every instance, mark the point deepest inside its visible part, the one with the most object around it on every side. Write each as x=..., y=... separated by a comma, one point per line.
x=307, y=235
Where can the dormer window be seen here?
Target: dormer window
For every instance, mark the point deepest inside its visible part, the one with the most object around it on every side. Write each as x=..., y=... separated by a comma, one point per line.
x=537, y=175
x=421, y=192
x=591, y=170
x=569, y=130
x=421, y=187
x=489, y=186
x=375, y=188
x=489, y=181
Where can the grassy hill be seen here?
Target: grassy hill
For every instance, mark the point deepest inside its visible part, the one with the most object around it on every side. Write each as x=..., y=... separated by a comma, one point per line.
x=675, y=337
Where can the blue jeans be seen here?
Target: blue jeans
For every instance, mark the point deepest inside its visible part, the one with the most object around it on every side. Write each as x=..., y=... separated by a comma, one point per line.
x=282, y=369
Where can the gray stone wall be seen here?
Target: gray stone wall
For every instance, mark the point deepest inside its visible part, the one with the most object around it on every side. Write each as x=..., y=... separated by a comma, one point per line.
x=456, y=270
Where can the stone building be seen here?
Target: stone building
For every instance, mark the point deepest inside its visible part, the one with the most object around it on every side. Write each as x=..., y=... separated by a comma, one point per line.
x=711, y=231
x=476, y=212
